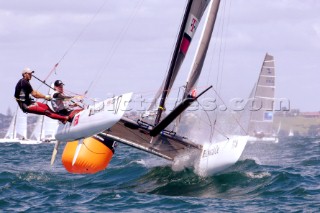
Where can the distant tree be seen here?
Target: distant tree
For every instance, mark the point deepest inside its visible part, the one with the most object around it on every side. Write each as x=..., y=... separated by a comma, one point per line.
x=9, y=112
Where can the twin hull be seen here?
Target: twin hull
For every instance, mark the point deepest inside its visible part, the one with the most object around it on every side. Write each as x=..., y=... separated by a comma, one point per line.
x=96, y=118
x=209, y=158
x=106, y=117
x=216, y=157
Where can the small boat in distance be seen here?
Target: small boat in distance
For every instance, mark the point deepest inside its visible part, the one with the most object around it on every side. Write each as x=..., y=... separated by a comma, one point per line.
x=17, y=131
x=260, y=127
x=44, y=130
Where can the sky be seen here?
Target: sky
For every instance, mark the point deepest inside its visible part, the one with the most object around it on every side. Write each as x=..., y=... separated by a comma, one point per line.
x=113, y=47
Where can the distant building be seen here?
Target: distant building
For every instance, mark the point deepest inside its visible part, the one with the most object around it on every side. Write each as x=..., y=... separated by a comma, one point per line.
x=310, y=114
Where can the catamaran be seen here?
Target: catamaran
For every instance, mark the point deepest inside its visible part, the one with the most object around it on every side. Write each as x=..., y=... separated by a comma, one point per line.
x=153, y=135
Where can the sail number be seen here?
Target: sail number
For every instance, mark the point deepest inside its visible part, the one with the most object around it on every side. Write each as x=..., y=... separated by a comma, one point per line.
x=209, y=152
x=97, y=108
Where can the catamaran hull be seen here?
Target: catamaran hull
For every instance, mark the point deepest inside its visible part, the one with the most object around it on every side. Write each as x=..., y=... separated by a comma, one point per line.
x=96, y=118
x=212, y=158
x=216, y=157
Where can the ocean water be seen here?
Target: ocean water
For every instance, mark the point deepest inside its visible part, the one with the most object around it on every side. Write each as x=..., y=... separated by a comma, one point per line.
x=283, y=177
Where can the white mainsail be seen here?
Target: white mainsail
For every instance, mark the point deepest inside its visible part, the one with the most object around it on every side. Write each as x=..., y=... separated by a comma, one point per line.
x=18, y=126
x=262, y=107
x=45, y=129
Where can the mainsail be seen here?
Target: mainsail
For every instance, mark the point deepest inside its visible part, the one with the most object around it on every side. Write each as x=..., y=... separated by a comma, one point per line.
x=261, y=118
x=18, y=126
x=199, y=58
x=45, y=129
x=193, y=14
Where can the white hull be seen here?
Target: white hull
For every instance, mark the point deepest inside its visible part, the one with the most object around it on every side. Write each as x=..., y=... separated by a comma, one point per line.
x=252, y=139
x=95, y=119
x=216, y=157
x=4, y=140
x=21, y=141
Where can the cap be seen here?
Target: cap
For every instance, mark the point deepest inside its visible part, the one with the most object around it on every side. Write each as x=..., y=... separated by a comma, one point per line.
x=58, y=83
x=27, y=70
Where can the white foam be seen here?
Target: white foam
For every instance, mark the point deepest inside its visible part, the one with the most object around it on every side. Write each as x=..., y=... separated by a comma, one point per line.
x=258, y=175
x=186, y=160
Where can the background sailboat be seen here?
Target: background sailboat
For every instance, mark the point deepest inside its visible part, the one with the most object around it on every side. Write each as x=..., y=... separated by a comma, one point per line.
x=17, y=131
x=45, y=129
x=262, y=104
x=291, y=133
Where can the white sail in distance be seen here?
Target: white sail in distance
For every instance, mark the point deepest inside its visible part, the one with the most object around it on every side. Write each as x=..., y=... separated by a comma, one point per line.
x=261, y=118
x=18, y=126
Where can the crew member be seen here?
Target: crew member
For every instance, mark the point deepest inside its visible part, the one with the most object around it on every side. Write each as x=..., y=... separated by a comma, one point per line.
x=23, y=92
x=60, y=101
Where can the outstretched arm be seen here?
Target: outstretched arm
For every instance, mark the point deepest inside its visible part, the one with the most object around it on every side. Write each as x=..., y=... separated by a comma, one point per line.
x=38, y=94
x=61, y=96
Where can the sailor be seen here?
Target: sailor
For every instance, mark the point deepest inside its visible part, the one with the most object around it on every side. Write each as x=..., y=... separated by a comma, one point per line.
x=60, y=102
x=23, y=92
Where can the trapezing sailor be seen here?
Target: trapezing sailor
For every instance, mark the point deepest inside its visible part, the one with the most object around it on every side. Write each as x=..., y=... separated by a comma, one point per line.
x=61, y=104
x=23, y=93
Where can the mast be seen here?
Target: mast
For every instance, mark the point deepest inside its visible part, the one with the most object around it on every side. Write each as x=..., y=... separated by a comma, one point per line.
x=173, y=62
x=14, y=132
x=42, y=129
x=192, y=16
x=202, y=48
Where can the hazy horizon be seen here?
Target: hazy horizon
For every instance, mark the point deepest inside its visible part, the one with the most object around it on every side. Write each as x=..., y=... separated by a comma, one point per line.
x=127, y=45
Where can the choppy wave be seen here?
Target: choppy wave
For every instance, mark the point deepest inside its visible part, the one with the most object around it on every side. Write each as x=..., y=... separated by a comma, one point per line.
x=268, y=177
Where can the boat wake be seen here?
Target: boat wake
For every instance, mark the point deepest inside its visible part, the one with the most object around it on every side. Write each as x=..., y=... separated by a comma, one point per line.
x=245, y=179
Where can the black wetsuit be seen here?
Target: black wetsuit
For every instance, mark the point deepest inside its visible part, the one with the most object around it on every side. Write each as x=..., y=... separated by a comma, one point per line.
x=22, y=94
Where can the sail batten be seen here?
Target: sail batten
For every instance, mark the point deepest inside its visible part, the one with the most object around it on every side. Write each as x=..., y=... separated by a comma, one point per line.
x=261, y=120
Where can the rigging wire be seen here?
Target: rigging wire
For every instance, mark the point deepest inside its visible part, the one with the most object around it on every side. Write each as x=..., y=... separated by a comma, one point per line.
x=212, y=126
x=224, y=34
x=221, y=51
x=216, y=48
x=220, y=64
x=231, y=113
x=54, y=68
x=115, y=46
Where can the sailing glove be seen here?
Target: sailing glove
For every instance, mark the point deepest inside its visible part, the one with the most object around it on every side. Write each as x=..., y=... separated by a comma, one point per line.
x=47, y=97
